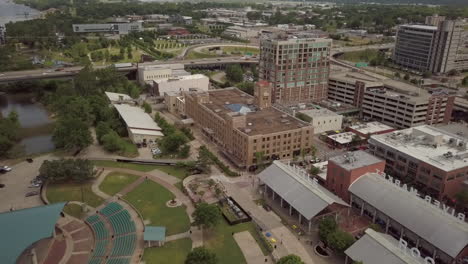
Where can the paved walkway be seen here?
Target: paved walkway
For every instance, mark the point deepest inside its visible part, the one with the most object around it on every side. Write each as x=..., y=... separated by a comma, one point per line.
x=177, y=236
x=252, y=252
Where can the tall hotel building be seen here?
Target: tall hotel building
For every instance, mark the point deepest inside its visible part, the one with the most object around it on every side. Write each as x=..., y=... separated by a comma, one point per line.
x=297, y=68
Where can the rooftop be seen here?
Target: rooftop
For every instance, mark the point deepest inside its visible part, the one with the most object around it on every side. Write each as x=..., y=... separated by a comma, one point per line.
x=352, y=77
x=343, y=138
x=323, y=112
x=323, y=166
x=232, y=101
x=154, y=233
x=355, y=159
x=429, y=144
x=371, y=128
x=425, y=27
x=136, y=118
x=375, y=247
x=181, y=78
x=115, y=97
x=22, y=228
x=295, y=186
x=439, y=228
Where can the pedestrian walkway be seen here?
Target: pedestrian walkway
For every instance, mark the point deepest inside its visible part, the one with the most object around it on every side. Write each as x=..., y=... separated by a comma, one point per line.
x=178, y=236
x=249, y=247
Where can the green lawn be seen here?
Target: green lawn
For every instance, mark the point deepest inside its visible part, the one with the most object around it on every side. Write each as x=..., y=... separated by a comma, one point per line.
x=65, y=192
x=73, y=210
x=171, y=170
x=173, y=252
x=116, y=181
x=221, y=241
x=360, y=56
x=150, y=199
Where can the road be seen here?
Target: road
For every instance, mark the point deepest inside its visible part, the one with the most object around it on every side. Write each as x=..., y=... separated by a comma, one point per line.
x=72, y=71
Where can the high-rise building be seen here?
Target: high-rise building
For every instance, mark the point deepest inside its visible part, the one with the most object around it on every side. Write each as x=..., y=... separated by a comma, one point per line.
x=439, y=47
x=297, y=68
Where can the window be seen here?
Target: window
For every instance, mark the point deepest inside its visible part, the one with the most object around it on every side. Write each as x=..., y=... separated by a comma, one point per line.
x=402, y=159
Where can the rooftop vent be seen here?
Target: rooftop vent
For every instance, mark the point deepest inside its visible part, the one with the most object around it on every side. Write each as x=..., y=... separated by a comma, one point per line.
x=226, y=102
x=249, y=124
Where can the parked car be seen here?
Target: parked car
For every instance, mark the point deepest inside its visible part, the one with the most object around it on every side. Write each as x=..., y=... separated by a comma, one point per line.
x=155, y=151
x=4, y=169
x=32, y=193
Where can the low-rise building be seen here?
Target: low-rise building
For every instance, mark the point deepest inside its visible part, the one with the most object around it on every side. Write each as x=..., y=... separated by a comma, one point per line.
x=118, y=98
x=2, y=35
x=430, y=158
x=241, y=32
x=323, y=119
x=343, y=140
x=196, y=82
x=371, y=128
x=175, y=103
x=148, y=73
x=118, y=28
x=140, y=126
x=231, y=119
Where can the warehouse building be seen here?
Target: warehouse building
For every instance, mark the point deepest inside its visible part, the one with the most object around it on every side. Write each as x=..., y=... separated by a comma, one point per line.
x=196, y=82
x=140, y=126
x=323, y=119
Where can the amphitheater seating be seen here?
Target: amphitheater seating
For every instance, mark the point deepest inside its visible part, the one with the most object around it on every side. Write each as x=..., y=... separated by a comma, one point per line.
x=100, y=230
x=118, y=261
x=124, y=245
x=92, y=219
x=122, y=223
x=100, y=249
x=111, y=208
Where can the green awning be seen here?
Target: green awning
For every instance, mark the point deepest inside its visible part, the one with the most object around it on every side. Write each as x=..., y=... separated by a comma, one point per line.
x=20, y=229
x=154, y=233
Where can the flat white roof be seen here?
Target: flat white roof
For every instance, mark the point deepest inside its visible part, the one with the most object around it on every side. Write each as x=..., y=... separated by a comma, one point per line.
x=322, y=112
x=136, y=118
x=343, y=138
x=181, y=78
x=117, y=96
x=426, y=27
x=432, y=145
x=371, y=128
x=323, y=166
x=146, y=132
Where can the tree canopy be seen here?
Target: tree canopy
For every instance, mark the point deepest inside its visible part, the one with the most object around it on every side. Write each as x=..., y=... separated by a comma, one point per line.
x=63, y=170
x=326, y=226
x=290, y=259
x=207, y=215
x=340, y=240
x=201, y=255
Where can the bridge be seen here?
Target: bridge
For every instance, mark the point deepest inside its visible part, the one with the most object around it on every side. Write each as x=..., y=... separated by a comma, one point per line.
x=209, y=63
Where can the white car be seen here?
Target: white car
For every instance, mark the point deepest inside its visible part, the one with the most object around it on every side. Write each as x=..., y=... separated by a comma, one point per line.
x=155, y=151
x=5, y=169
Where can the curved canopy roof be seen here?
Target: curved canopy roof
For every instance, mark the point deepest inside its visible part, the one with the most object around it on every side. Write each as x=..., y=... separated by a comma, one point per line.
x=20, y=229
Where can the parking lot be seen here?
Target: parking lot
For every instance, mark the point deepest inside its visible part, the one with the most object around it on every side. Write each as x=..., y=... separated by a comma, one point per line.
x=17, y=183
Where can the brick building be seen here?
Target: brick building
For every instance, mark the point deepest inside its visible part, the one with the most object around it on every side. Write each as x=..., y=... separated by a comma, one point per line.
x=432, y=159
x=241, y=128
x=298, y=68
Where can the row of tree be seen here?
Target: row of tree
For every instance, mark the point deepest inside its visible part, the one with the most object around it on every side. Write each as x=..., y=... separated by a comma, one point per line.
x=9, y=127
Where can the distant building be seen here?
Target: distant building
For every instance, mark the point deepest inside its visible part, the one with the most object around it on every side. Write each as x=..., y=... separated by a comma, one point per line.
x=118, y=98
x=394, y=103
x=439, y=47
x=297, y=68
x=323, y=119
x=434, y=20
x=432, y=159
x=178, y=31
x=117, y=28
x=196, y=82
x=241, y=32
x=175, y=103
x=230, y=118
x=178, y=19
x=148, y=73
x=343, y=140
x=2, y=35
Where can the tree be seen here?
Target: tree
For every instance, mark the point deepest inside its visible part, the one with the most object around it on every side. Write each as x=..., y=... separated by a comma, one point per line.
x=204, y=160
x=260, y=158
x=234, y=73
x=427, y=74
x=462, y=198
x=71, y=134
x=465, y=81
x=327, y=226
x=290, y=259
x=206, y=215
x=172, y=142
x=397, y=75
x=147, y=108
x=340, y=240
x=76, y=170
x=314, y=170
x=201, y=255
x=111, y=141
x=406, y=77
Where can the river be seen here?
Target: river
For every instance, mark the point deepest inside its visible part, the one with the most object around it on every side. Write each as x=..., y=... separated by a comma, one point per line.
x=36, y=126
x=10, y=11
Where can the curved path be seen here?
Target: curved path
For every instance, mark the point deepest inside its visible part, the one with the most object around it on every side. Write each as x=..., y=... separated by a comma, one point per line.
x=162, y=179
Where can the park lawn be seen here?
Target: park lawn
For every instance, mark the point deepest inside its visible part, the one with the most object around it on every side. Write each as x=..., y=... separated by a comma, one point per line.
x=73, y=210
x=360, y=56
x=116, y=181
x=136, y=55
x=221, y=241
x=192, y=55
x=173, y=171
x=64, y=192
x=173, y=252
x=150, y=200
x=242, y=50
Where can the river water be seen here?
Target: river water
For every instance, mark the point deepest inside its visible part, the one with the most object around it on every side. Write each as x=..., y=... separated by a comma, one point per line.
x=34, y=121
x=10, y=11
